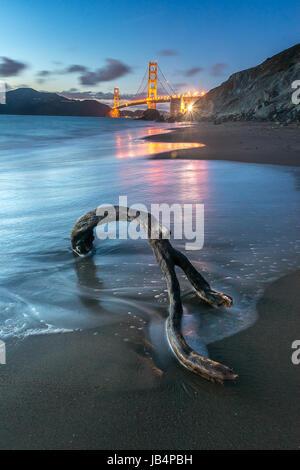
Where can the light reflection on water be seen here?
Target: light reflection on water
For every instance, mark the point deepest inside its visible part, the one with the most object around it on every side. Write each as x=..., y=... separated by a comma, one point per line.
x=130, y=145
x=69, y=166
x=152, y=148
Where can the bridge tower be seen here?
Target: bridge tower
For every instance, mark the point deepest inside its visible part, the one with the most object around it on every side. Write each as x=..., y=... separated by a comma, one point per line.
x=114, y=112
x=152, y=84
x=116, y=97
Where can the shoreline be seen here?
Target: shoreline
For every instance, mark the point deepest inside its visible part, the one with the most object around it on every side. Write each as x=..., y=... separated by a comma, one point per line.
x=90, y=390
x=247, y=142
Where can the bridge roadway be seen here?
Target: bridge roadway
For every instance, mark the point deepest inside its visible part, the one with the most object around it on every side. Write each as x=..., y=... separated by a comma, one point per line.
x=185, y=98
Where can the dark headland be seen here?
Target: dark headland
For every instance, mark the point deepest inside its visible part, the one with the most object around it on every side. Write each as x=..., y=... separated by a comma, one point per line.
x=28, y=101
x=263, y=92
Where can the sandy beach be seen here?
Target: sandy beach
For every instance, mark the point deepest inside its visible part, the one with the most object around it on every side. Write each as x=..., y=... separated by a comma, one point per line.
x=252, y=142
x=63, y=391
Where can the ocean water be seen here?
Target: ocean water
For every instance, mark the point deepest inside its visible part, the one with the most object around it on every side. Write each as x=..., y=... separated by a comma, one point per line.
x=54, y=169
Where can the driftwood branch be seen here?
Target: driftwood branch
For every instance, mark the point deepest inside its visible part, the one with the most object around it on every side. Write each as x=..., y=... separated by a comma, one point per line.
x=82, y=238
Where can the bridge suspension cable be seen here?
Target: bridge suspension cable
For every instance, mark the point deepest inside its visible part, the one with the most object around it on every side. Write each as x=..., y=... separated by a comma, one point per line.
x=167, y=82
x=143, y=85
x=163, y=85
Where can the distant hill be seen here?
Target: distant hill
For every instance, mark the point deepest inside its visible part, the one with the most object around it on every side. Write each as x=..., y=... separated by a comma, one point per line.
x=29, y=101
x=261, y=92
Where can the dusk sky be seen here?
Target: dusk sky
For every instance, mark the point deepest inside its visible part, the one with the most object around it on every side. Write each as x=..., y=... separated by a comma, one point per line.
x=96, y=45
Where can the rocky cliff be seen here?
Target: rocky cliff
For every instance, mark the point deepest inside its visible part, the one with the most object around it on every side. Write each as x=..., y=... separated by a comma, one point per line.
x=262, y=92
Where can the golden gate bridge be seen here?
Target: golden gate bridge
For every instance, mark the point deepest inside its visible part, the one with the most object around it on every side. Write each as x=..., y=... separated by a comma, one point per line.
x=149, y=92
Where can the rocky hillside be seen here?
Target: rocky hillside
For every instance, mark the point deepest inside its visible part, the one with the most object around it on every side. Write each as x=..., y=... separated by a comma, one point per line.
x=263, y=92
x=29, y=101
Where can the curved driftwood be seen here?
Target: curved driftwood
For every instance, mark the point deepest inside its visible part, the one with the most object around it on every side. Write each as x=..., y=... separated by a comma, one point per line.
x=82, y=238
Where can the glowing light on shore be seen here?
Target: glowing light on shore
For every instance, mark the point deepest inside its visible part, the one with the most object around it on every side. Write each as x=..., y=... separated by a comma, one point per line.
x=133, y=149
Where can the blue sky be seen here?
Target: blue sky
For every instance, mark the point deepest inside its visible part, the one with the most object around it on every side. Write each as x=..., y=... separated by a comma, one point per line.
x=196, y=35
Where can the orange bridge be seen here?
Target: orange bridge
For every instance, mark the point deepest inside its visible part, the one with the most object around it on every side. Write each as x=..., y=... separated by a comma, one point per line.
x=179, y=103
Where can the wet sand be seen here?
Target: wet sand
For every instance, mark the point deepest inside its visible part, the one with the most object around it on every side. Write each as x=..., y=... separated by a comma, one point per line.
x=94, y=390
x=238, y=141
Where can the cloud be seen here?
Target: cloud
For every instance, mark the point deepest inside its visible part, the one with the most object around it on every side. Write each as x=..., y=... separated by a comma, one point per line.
x=180, y=85
x=193, y=71
x=168, y=52
x=113, y=69
x=47, y=74
x=218, y=69
x=10, y=67
x=76, y=68
x=44, y=73
x=70, y=69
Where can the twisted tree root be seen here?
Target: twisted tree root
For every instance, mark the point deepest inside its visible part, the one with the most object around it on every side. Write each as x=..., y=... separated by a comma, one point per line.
x=82, y=238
